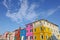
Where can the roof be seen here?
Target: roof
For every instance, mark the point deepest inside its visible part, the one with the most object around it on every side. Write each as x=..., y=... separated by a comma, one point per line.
x=42, y=20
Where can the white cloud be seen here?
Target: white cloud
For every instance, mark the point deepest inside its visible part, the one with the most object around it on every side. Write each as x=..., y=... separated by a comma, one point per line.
x=42, y=0
x=47, y=13
x=51, y=11
x=58, y=6
x=25, y=12
x=4, y=3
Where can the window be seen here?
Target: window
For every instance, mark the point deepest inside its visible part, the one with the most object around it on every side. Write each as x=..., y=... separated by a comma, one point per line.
x=31, y=30
x=26, y=30
x=42, y=37
x=44, y=22
x=58, y=35
x=34, y=37
x=35, y=30
x=26, y=37
x=31, y=25
x=40, y=21
x=41, y=28
x=14, y=38
x=44, y=28
x=46, y=37
x=31, y=37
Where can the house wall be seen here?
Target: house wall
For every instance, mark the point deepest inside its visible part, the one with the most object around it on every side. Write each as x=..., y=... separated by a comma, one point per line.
x=17, y=34
x=41, y=30
x=29, y=32
x=23, y=34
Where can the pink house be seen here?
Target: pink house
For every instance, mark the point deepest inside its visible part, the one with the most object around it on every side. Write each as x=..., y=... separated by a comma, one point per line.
x=5, y=35
x=29, y=32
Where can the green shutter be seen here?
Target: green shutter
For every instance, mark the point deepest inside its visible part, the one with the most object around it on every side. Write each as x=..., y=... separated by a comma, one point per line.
x=14, y=38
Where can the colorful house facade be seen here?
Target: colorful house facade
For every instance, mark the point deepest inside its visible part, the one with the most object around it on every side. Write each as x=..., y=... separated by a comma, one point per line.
x=40, y=32
x=5, y=35
x=29, y=32
x=54, y=27
x=23, y=34
x=36, y=31
x=17, y=34
x=1, y=37
x=11, y=36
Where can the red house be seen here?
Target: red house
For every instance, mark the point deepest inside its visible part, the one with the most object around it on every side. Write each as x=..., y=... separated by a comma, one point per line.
x=17, y=34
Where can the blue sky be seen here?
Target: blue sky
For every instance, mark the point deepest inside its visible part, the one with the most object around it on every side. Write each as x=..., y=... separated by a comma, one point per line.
x=17, y=13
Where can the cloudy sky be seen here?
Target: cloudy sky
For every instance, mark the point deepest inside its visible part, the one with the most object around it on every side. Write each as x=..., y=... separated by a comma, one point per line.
x=18, y=13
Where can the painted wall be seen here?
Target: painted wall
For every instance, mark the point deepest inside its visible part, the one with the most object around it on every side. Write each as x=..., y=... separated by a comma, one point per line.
x=23, y=34
x=29, y=31
x=12, y=35
x=5, y=35
x=17, y=34
x=41, y=32
x=52, y=26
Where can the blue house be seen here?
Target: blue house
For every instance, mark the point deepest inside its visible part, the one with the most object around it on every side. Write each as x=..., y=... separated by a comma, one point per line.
x=23, y=34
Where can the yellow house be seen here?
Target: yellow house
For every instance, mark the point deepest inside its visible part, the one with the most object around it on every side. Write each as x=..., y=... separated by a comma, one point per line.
x=40, y=32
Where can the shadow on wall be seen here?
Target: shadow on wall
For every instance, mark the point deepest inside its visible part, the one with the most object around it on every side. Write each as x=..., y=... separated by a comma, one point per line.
x=53, y=37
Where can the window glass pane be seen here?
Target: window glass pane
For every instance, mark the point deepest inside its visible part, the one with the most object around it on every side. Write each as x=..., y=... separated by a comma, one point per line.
x=26, y=37
x=34, y=37
x=31, y=37
x=40, y=28
x=41, y=37
x=31, y=30
x=30, y=25
x=35, y=30
x=26, y=30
